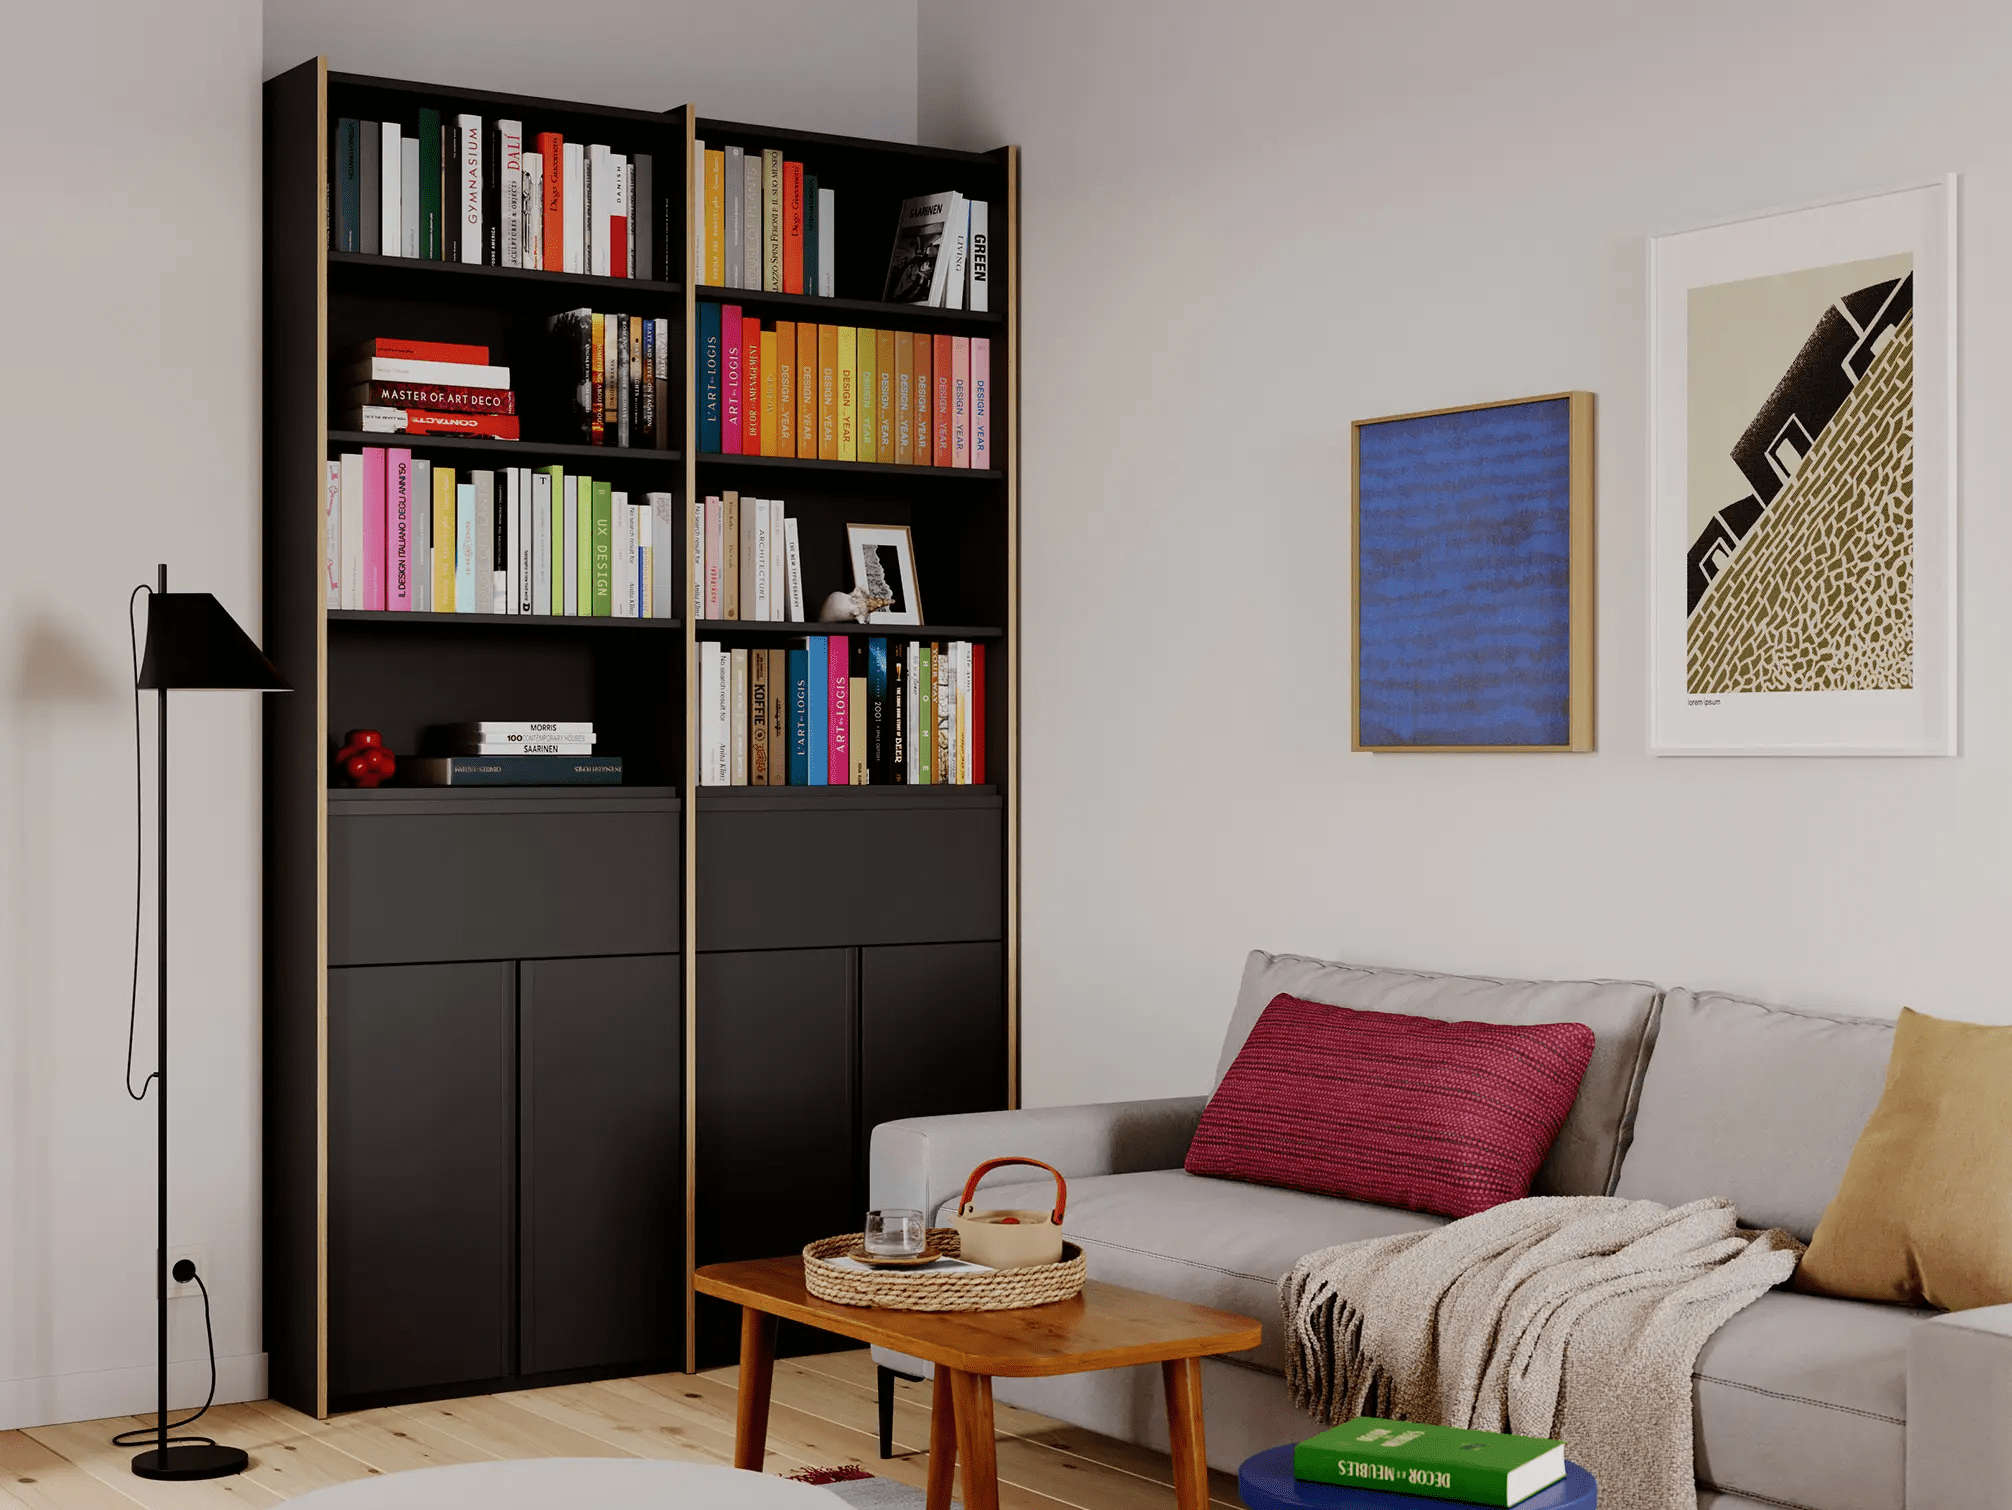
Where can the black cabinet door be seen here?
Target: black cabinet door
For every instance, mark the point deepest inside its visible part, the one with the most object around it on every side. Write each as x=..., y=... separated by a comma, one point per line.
x=777, y=1116
x=602, y=1173
x=421, y=1174
x=932, y=1030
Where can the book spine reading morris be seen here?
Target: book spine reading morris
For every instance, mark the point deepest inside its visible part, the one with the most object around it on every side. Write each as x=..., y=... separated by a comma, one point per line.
x=455, y=187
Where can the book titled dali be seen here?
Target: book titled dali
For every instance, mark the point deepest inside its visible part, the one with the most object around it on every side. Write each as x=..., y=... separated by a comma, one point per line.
x=1435, y=1462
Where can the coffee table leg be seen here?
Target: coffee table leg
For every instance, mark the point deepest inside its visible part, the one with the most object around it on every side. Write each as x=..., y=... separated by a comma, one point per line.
x=942, y=1442
x=1183, y=1378
x=972, y=1395
x=757, y=1374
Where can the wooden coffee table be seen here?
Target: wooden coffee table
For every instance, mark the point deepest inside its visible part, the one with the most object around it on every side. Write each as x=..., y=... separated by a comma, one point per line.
x=1107, y=1326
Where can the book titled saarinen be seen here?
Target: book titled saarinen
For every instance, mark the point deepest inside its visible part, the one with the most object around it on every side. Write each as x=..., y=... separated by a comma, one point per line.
x=1436, y=1462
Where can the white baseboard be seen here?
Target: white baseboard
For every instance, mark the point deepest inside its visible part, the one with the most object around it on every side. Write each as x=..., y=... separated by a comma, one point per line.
x=126, y=1391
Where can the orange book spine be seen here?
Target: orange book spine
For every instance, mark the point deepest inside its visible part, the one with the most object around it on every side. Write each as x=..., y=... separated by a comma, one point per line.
x=827, y=393
x=925, y=399
x=785, y=387
x=904, y=399
x=771, y=440
x=883, y=394
x=715, y=274
x=806, y=391
x=940, y=380
x=751, y=355
x=552, y=148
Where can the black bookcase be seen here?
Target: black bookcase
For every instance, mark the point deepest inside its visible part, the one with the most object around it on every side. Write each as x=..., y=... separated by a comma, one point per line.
x=533, y=1054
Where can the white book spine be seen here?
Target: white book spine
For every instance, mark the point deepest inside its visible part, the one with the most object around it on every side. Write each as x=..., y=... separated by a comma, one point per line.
x=422, y=536
x=978, y=259
x=512, y=540
x=698, y=212
x=510, y=192
x=623, y=522
x=645, y=547
x=391, y=202
x=629, y=214
x=737, y=730
x=778, y=564
x=531, y=208
x=956, y=240
x=760, y=511
x=526, y=747
x=332, y=529
x=464, y=547
x=352, y=529
x=663, y=555
x=410, y=370
x=471, y=187
x=569, y=564
x=744, y=558
x=695, y=557
x=573, y=206
x=541, y=542
x=795, y=554
x=408, y=193
x=827, y=242
x=963, y=664
x=618, y=210
x=715, y=559
x=601, y=201
x=709, y=702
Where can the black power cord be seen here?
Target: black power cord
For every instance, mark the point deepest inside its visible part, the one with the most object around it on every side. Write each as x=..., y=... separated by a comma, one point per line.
x=185, y=1269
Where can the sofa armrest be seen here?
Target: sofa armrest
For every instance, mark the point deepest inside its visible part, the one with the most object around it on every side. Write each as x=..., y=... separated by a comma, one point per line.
x=1959, y=1411
x=921, y=1162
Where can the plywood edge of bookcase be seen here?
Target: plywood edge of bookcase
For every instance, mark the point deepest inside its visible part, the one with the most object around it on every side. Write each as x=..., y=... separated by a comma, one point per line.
x=1012, y=786
x=689, y=777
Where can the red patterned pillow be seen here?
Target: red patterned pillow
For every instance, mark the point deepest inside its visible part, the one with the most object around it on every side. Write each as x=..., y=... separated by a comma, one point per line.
x=1448, y=1117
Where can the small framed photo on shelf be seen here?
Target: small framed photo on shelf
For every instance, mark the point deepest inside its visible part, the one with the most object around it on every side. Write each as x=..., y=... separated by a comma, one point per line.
x=883, y=567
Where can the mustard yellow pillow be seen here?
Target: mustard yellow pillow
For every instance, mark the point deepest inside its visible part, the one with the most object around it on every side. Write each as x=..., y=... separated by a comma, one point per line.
x=1925, y=1210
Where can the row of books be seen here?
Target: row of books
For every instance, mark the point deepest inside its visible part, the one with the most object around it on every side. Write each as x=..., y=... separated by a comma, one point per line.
x=749, y=559
x=456, y=190
x=617, y=371
x=400, y=387
x=764, y=223
x=406, y=535
x=942, y=254
x=842, y=393
x=842, y=710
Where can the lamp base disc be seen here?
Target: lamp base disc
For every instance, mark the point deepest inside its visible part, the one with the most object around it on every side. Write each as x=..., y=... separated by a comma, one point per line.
x=191, y=1462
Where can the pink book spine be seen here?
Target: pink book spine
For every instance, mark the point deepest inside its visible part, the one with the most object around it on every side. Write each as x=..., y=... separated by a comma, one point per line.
x=960, y=401
x=373, y=528
x=730, y=380
x=398, y=566
x=981, y=402
x=840, y=660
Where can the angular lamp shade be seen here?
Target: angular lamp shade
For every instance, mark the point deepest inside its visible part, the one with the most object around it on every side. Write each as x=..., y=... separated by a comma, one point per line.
x=193, y=642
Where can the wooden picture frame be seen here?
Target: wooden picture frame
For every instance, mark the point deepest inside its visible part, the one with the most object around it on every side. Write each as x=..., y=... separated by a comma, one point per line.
x=908, y=589
x=1471, y=558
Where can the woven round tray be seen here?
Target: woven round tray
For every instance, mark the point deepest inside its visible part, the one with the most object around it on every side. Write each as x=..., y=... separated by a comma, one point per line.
x=893, y=1290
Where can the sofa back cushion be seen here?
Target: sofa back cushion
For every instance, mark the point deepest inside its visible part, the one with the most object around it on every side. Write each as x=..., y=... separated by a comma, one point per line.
x=1622, y=1014
x=1445, y=1117
x=1755, y=1103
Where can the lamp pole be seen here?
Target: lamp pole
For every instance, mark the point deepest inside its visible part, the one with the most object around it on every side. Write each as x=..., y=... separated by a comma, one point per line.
x=161, y=1054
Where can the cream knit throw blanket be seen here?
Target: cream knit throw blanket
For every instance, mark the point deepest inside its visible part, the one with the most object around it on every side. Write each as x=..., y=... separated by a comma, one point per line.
x=1574, y=1317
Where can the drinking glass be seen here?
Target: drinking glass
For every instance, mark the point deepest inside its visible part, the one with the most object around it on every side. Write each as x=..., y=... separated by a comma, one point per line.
x=895, y=1233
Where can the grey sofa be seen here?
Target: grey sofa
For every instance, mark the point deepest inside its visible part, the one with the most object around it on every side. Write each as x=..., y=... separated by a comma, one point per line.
x=1799, y=1400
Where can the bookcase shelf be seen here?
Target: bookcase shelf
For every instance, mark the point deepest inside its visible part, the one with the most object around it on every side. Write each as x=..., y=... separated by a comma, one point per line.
x=687, y=954
x=858, y=468
x=558, y=450
x=893, y=315
x=425, y=621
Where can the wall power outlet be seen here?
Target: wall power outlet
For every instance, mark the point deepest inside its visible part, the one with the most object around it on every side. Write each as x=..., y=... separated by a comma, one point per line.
x=199, y=1255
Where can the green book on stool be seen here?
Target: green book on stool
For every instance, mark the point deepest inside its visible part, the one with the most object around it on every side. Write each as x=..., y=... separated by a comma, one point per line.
x=1437, y=1462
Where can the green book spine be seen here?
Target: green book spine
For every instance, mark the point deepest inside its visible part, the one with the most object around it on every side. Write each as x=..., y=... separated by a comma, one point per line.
x=558, y=552
x=925, y=717
x=1432, y=1462
x=604, y=550
x=583, y=545
x=429, y=184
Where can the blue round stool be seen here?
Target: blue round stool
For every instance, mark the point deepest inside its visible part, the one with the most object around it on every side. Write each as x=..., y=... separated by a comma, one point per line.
x=1266, y=1483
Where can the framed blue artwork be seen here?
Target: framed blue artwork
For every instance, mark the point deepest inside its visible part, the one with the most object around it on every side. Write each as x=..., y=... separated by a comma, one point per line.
x=1474, y=577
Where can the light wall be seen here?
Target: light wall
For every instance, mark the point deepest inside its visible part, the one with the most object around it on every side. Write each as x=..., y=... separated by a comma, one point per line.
x=1245, y=226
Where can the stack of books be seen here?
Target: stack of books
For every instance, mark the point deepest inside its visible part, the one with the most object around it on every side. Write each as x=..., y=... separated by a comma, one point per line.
x=765, y=224
x=616, y=371
x=750, y=564
x=398, y=387
x=531, y=753
x=842, y=393
x=405, y=535
x=457, y=190
x=942, y=254
x=1434, y=1462
x=842, y=710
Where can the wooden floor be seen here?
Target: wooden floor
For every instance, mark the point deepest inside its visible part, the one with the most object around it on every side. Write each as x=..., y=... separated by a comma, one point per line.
x=823, y=1415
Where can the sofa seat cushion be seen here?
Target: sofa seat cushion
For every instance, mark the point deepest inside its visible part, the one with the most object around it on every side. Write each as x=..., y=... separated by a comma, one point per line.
x=1218, y=1243
x=1802, y=1400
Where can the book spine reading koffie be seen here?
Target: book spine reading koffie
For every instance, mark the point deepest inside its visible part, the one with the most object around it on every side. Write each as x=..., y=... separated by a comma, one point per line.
x=758, y=716
x=838, y=667
x=731, y=421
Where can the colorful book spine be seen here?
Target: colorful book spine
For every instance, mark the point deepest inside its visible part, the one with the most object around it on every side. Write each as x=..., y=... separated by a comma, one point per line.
x=940, y=442
x=731, y=421
x=374, y=529
x=769, y=427
x=925, y=716
x=817, y=736
x=709, y=378
x=798, y=675
x=879, y=727
x=904, y=399
x=603, y=547
x=981, y=402
x=925, y=398
x=806, y=390
x=866, y=386
x=827, y=393
x=751, y=381
x=785, y=388
x=399, y=530
x=883, y=394
x=583, y=547
x=838, y=666
x=792, y=228
x=848, y=393
x=960, y=401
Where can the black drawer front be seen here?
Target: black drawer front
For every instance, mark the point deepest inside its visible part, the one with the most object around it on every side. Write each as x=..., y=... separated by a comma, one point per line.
x=780, y=874
x=495, y=879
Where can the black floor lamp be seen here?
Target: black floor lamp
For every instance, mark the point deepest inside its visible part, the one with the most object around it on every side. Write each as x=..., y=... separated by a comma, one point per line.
x=191, y=643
